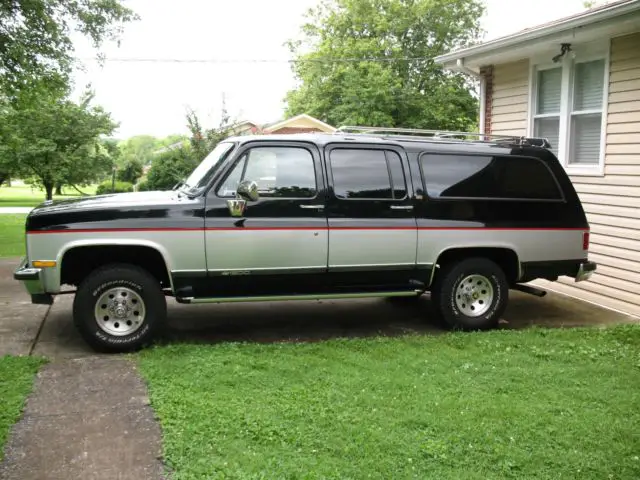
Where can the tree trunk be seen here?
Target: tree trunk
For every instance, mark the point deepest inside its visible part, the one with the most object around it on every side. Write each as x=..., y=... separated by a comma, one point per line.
x=48, y=187
x=3, y=178
x=58, y=189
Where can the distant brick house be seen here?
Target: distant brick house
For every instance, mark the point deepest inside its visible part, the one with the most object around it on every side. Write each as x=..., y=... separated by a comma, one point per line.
x=299, y=124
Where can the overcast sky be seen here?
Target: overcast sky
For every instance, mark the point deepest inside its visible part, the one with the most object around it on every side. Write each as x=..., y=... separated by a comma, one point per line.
x=151, y=98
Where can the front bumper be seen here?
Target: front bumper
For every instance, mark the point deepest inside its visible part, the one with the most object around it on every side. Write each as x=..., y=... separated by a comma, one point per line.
x=31, y=278
x=585, y=270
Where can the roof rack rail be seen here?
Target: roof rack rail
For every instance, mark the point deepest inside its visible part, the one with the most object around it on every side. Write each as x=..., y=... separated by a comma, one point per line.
x=412, y=133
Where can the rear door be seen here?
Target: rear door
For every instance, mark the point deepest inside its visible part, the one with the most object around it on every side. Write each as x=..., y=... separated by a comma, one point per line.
x=369, y=208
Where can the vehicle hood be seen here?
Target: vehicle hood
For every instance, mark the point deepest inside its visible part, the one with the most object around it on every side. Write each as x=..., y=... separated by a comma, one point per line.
x=116, y=200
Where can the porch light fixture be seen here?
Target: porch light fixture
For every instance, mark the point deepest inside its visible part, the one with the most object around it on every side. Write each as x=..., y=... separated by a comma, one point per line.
x=564, y=48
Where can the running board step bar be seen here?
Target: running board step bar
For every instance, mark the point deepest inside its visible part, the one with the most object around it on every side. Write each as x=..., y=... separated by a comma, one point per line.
x=279, y=298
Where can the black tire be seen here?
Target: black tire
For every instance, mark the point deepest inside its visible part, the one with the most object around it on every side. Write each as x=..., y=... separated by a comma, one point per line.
x=448, y=285
x=145, y=291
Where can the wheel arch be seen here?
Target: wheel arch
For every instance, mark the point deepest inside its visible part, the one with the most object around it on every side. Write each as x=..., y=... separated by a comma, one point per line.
x=506, y=256
x=94, y=245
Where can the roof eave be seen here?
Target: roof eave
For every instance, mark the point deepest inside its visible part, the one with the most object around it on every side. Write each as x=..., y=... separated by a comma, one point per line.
x=450, y=60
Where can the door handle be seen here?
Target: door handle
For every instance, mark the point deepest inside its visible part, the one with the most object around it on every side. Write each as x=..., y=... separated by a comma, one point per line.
x=320, y=207
x=401, y=207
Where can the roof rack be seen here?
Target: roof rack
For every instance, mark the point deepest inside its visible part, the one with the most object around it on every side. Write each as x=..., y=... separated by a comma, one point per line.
x=415, y=133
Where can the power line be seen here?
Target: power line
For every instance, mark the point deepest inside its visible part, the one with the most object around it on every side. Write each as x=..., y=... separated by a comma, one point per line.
x=255, y=60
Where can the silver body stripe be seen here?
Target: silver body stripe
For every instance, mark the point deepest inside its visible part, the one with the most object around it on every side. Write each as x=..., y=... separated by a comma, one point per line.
x=181, y=249
x=229, y=250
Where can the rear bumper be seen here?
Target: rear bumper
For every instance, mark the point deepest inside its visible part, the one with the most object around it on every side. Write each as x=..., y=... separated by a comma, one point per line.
x=32, y=280
x=585, y=270
x=579, y=269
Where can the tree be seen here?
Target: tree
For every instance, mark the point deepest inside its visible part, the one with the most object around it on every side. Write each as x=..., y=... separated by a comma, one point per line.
x=35, y=43
x=203, y=140
x=170, y=167
x=130, y=171
x=370, y=62
x=56, y=141
x=174, y=164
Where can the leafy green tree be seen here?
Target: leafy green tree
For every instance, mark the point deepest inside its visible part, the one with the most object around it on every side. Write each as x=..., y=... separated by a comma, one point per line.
x=56, y=141
x=370, y=62
x=169, y=168
x=130, y=172
x=138, y=148
x=202, y=140
x=35, y=38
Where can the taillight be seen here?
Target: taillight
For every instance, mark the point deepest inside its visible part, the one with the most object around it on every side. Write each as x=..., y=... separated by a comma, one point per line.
x=585, y=240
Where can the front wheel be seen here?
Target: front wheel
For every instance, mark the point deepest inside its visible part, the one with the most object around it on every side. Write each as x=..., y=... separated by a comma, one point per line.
x=119, y=308
x=471, y=294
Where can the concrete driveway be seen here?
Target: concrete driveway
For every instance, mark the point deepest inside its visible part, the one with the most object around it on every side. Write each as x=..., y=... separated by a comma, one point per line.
x=40, y=330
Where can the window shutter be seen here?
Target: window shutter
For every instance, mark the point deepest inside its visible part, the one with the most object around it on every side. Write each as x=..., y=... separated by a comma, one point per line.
x=549, y=90
x=585, y=138
x=588, y=86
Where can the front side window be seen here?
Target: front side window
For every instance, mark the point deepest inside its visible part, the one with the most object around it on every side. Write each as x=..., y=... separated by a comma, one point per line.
x=370, y=174
x=281, y=172
x=568, y=110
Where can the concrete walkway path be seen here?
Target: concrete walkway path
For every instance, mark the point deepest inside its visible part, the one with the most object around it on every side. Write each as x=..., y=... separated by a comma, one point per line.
x=15, y=209
x=88, y=416
x=87, y=419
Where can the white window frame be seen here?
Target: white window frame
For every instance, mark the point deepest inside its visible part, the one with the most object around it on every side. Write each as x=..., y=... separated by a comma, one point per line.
x=566, y=106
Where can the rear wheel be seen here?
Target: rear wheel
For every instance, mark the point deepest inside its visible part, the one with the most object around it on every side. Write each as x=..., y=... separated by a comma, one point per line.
x=119, y=308
x=471, y=294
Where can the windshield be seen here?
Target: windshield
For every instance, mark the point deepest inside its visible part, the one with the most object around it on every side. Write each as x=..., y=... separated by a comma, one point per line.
x=202, y=174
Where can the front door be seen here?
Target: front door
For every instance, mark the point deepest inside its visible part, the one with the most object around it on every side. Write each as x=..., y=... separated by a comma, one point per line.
x=372, y=225
x=284, y=232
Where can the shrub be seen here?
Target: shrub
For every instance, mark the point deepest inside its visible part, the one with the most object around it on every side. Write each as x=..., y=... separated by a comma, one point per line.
x=169, y=168
x=130, y=171
x=119, y=187
x=142, y=186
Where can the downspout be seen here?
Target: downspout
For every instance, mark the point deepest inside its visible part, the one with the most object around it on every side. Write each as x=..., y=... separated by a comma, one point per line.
x=483, y=88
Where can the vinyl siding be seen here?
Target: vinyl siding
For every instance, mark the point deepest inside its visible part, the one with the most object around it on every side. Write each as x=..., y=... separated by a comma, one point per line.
x=612, y=201
x=509, y=103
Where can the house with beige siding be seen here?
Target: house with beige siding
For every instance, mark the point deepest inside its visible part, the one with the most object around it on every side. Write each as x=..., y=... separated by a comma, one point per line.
x=576, y=82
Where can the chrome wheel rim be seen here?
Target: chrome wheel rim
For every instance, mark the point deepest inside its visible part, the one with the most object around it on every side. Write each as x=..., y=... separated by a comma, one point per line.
x=119, y=311
x=474, y=295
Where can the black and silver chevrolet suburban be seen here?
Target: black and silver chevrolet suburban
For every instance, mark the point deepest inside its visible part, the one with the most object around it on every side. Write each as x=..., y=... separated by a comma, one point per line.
x=363, y=212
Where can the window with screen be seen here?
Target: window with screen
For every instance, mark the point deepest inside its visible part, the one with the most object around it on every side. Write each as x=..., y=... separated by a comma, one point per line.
x=546, y=123
x=284, y=172
x=568, y=108
x=370, y=174
x=488, y=177
x=586, y=114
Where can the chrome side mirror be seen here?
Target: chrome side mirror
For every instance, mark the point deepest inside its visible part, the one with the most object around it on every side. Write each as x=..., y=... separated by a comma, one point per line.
x=236, y=207
x=248, y=190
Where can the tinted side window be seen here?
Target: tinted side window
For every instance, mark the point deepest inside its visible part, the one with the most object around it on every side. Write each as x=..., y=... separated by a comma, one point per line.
x=484, y=176
x=284, y=172
x=359, y=173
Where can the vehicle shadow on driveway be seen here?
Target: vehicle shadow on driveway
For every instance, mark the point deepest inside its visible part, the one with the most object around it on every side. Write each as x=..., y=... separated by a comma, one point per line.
x=312, y=321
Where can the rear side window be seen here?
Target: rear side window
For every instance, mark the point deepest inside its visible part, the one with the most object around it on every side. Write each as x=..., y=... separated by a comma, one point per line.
x=485, y=176
x=371, y=174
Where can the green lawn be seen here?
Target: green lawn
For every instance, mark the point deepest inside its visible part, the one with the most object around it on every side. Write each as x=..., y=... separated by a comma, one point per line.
x=505, y=404
x=26, y=196
x=16, y=381
x=11, y=234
